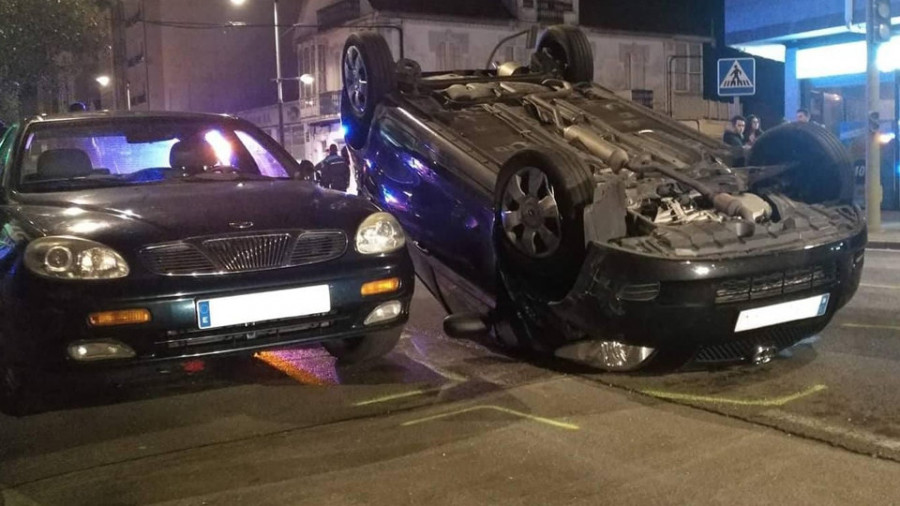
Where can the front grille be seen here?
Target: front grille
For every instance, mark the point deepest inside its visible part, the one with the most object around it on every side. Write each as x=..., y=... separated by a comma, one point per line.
x=249, y=253
x=177, y=260
x=244, y=253
x=773, y=284
x=318, y=246
x=734, y=351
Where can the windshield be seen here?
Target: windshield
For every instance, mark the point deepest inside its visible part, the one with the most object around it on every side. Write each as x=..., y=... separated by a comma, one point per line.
x=114, y=152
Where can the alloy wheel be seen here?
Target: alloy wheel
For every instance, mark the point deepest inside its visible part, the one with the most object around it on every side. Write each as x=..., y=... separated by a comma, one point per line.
x=356, y=80
x=530, y=214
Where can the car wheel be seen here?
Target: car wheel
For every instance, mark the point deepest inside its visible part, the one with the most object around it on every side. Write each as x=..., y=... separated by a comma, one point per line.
x=570, y=48
x=823, y=169
x=368, y=75
x=539, y=200
x=361, y=349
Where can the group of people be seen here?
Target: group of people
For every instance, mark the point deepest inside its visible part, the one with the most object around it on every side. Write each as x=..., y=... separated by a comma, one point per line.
x=744, y=131
x=333, y=172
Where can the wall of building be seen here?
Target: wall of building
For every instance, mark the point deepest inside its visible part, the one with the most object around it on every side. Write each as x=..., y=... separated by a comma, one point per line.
x=623, y=62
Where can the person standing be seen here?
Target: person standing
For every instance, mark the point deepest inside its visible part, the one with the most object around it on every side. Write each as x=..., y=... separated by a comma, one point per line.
x=334, y=172
x=734, y=135
x=802, y=115
x=754, y=131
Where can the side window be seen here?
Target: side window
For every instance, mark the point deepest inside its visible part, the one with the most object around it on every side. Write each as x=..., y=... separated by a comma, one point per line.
x=268, y=165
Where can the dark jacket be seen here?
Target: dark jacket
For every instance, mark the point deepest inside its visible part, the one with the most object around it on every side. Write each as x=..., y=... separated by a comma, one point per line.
x=334, y=173
x=732, y=139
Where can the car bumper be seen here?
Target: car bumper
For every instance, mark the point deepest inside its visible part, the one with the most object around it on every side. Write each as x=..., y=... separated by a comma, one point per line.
x=46, y=319
x=660, y=303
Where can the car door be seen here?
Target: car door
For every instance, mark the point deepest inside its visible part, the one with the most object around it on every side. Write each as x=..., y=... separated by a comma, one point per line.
x=446, y=212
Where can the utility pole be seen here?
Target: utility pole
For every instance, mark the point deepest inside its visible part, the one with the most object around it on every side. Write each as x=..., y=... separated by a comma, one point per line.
x=878, y=31
x=278, y=77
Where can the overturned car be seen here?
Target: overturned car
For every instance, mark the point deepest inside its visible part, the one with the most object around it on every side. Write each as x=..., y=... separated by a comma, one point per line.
x=569, y=220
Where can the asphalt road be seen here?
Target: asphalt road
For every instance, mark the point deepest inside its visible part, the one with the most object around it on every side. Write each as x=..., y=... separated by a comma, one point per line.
x=441, y=421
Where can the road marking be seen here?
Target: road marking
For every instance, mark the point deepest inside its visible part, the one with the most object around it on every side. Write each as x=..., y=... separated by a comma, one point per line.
x=288, y=368
x=812, y=423
x=533, y=418
x=393, y=397
x=882, y=287
x=868, y=326
x=777, y=401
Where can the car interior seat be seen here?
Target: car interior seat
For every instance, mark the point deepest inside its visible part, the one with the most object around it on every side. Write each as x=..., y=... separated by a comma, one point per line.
x=192, y=155
x=63, y=164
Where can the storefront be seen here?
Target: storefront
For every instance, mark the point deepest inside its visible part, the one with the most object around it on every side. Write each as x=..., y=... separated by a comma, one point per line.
x=822, y=44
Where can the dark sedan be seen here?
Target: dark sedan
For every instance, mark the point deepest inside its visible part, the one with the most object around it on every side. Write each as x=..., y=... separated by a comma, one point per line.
x=136, y=238
x=573, y=221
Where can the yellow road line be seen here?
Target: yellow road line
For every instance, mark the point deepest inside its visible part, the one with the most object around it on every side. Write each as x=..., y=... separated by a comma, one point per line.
x=533, y=418
x=868, y=326
x=393, y=397
x=305, y=377
x=883, y=287
x=777, y=401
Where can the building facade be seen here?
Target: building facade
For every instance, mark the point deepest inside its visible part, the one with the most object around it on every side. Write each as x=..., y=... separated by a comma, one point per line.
x=196, y=55
x=663, y=71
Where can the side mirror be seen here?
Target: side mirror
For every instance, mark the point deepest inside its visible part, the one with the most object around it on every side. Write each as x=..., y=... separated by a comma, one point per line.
x=466, y=325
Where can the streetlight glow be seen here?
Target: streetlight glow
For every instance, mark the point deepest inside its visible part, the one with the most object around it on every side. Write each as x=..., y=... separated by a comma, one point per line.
x=238, y=2
x=103, y=81
x=307, y=79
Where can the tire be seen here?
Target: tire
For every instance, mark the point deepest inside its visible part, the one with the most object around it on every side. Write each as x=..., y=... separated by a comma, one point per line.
x=570, y=48
x=539, y=242
x=824, y=171
x=361, y=349
x=367, y=58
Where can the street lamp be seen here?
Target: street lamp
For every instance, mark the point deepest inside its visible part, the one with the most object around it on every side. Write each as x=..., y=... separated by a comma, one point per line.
x=278, y=78
x=102, y=80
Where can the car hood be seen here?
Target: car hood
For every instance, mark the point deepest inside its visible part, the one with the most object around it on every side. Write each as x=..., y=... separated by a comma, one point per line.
x=132, y=217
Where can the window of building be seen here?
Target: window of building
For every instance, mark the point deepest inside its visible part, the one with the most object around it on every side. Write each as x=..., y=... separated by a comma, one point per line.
x=449, y=55
x=320, y=83
x=688, y=68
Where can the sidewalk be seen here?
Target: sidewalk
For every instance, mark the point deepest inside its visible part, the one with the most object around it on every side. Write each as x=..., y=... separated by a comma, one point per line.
x=889, y=235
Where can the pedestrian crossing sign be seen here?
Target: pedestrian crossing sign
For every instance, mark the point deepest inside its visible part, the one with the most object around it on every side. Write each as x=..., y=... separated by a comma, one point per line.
x=737, y=77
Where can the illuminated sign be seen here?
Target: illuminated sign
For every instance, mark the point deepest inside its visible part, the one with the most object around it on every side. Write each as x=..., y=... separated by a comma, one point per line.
x=845, y=59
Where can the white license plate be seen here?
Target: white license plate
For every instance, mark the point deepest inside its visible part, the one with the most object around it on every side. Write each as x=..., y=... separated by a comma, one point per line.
x=264, y=306
x=782, y=313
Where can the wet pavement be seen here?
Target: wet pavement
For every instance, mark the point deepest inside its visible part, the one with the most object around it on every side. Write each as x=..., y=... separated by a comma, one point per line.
x=452, y=422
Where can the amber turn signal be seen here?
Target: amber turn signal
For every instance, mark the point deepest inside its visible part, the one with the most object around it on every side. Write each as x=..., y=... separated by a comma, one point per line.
x=380, y=286
x=121, y=317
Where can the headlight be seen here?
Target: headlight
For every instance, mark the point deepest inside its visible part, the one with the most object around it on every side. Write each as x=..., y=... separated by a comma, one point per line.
x=73, y=258
x=379, y=233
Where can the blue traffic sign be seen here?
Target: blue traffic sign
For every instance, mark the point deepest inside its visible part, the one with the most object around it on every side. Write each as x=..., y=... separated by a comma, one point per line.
x=737, y=77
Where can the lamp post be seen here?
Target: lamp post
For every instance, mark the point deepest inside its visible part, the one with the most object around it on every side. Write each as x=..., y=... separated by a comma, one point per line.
x=103, y=81
x=278, y=78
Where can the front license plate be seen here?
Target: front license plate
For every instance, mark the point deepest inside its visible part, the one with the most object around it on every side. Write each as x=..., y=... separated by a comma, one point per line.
x=259, y=307
x=782, y=313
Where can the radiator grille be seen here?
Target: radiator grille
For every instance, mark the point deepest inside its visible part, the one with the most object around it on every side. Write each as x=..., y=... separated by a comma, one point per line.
x=779, y=336
x=774, y=284
x=249, y=253
x=245, y=253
